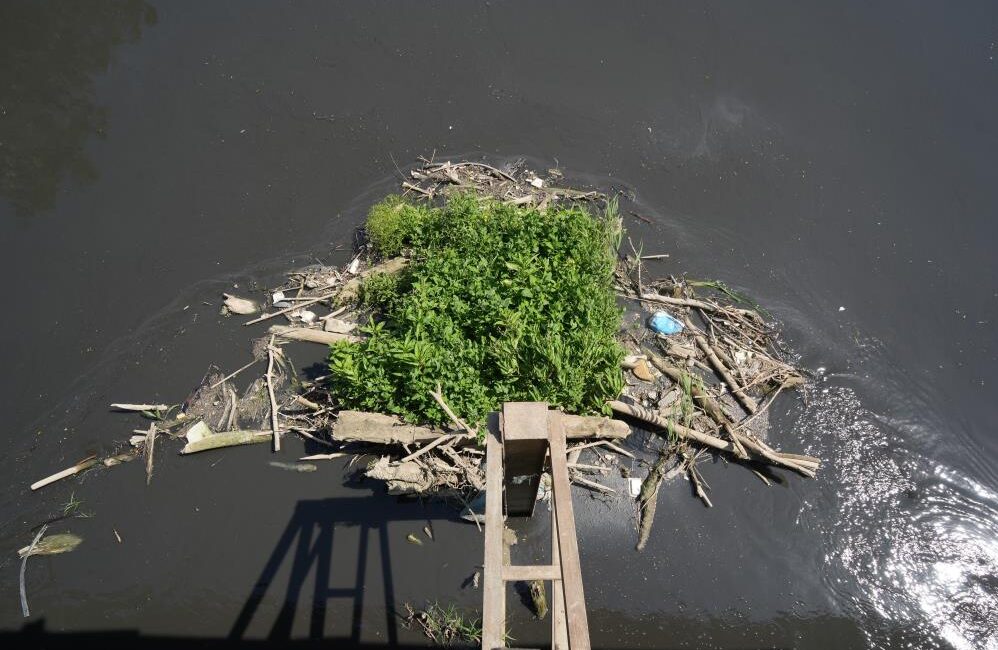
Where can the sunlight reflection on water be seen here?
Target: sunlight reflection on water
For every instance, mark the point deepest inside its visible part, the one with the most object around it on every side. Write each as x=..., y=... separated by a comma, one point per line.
x=915, y=543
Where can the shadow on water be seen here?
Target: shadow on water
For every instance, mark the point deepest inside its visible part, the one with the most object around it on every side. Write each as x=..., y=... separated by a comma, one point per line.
x=51, y=52
x=313, y=524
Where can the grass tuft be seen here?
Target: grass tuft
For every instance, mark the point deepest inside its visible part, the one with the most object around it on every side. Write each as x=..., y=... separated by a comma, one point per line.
x=448, y=625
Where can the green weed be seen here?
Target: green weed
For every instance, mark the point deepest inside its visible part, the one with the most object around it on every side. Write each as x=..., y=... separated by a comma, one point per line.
x=71, y=506
x=448, y=625
x=722, y=287
x=499, y=303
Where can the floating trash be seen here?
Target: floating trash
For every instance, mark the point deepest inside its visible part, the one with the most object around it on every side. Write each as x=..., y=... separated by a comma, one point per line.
x=664, y=323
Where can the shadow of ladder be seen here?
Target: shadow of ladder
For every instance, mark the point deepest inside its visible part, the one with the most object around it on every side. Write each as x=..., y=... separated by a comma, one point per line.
x=314, y=530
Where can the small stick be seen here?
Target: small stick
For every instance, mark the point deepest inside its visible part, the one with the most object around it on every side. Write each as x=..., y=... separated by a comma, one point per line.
x=141, y=407
x=694, y=476
x=223, y=418
x=594, y=485
x=24, y=564
x=698, y=483
x=655, y=257
x=415, y=188
x=150, y=446
x=678, y=302
x=307, y=403
x=597, y=468
x=473, y=514
x=763, y=409
x=231, y=375
x=583, y=446
x=484, y=166
x=458, y=422
x=749, y=403
x=324, y=456
x=293, y=308
x=270, y=392
x=86, y=463
x=425, y=448
x=231, y=424
x=313, y=438
x=335, y=313
x=615, y=448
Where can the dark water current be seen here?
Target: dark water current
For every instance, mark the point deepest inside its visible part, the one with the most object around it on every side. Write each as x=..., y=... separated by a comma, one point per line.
x=837, y=161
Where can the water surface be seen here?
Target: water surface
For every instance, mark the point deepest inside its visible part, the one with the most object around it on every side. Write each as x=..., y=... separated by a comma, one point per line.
x=836, y=162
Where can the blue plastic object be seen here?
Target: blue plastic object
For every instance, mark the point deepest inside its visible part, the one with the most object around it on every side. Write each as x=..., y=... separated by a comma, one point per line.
x=663, y=323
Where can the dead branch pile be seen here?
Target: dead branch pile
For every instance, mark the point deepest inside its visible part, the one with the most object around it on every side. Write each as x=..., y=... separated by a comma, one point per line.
x=708, y=388
x=516, y=184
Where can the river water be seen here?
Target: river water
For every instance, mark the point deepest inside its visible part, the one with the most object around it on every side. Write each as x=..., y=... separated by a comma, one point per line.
x=836, y=161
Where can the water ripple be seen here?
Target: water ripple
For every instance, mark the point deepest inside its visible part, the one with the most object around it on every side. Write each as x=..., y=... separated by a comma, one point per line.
x=915, y=543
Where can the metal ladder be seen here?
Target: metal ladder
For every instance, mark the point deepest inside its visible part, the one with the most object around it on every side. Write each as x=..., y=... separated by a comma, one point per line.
x=517, y=444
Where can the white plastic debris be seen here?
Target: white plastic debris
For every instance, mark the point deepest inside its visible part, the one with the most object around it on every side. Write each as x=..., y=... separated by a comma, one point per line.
x=537, y=182
x=354, y=266
x=634, y=487
x=277, y=297
x=197, y=431
x=307, y=316
x=238, y=305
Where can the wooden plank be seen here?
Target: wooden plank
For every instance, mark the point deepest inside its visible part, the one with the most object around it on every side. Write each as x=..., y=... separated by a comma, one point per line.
x=528, y=572
x=494, y=597
x=568, y=543
x=524, y=421
x=524, y=438
x=377, y=428
x=559, y=629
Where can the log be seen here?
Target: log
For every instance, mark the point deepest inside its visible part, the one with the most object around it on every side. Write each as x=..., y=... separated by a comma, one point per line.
x=309, y=335
x=378, y=428
x=227, y=439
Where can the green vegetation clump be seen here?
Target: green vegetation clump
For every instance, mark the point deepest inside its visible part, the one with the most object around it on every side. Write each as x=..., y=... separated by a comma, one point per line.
x=499, y=303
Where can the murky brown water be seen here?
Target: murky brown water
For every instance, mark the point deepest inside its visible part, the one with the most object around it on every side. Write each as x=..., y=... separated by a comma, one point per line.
x=815, y=156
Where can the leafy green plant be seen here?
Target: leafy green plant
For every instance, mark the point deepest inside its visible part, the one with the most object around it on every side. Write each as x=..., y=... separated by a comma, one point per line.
x=392, y=223
x=381, y=291
x=499, y=303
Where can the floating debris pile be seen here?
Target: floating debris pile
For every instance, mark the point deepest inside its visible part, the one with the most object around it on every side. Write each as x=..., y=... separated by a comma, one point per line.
x=475, y=286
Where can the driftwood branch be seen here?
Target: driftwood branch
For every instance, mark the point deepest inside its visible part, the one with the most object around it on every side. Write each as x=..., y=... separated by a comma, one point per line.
x=84, y=464
x=309, y=335
x=149, y=447
x=648, y=499
x=461, y=425
x=226, y=439
x=804, y=465
x=705, y=401
x=722, y=370
x=270, y=393
x=296, y=307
